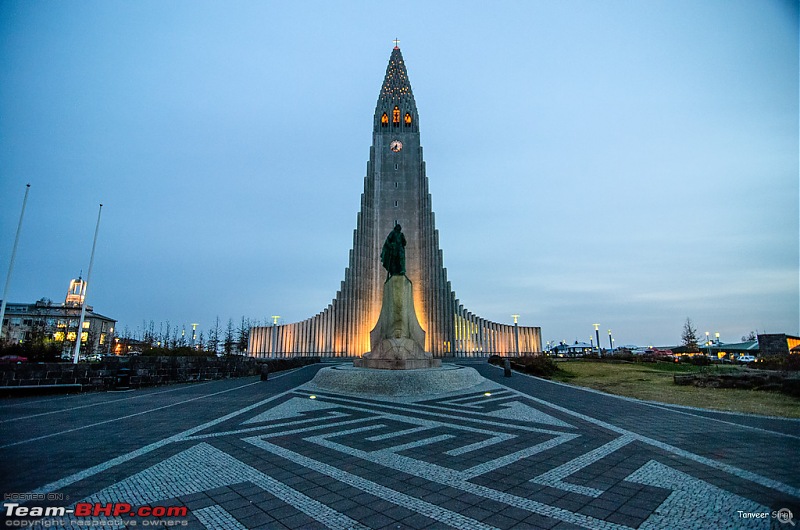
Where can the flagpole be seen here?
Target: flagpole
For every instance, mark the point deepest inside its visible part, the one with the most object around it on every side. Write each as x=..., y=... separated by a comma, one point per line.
x=85, y=290
x=11, y=265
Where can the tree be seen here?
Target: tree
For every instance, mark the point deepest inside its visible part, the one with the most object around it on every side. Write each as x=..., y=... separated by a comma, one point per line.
x=227, y=345
x=149, y=334
x=689, y=337
x=165, y=336
x=243, y=335
x=38, y=345
x=174, y=343
x=213, y=338
x=751, y=336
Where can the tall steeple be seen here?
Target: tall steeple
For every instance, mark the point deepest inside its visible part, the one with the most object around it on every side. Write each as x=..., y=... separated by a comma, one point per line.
x=396, y=106
x=395, y=191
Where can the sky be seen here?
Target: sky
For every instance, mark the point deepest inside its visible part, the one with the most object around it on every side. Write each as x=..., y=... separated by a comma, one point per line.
x=631, y=164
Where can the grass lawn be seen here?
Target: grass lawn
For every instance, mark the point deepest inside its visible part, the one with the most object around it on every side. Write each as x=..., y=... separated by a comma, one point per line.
x=653, y=382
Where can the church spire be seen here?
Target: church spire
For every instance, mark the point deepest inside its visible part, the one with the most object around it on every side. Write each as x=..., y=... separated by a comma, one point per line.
x=396, y=106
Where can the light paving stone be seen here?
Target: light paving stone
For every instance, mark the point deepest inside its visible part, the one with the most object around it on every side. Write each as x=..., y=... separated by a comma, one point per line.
x=214, y=517
x=203, y=467
x=695, y=504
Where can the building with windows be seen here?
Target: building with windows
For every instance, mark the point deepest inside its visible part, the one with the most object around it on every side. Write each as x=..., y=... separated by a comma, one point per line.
x=46, y=321
x=765, y=345
x=395, y=192
x=578, y=349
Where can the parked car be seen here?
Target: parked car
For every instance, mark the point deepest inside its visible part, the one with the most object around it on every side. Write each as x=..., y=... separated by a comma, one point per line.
x=745, y=359
x=13, y=359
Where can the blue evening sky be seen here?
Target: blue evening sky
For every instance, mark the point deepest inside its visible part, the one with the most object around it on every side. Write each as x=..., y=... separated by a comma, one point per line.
x=621, y=162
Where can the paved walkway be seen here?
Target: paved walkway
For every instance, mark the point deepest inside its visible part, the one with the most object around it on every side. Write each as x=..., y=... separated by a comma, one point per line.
x=517, y=452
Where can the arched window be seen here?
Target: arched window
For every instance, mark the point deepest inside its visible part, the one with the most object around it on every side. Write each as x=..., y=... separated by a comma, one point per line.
x=384, y=120
x=396, y=115
x=407, y=119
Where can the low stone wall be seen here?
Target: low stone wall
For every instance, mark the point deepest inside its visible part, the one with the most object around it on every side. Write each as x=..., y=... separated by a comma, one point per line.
x=144, y=371
x=755, y=380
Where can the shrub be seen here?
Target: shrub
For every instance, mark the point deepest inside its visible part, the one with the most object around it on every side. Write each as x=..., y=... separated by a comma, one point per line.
x=787, y=363
x=696, y=360
x=539, y=365
x=182, y=351
x=43, y=353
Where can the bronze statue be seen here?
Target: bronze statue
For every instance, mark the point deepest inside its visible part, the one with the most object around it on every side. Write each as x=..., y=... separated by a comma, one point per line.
x=393, y=254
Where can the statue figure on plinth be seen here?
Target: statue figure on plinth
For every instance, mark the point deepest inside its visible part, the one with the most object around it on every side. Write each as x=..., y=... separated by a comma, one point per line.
x=393, y=254
x=397, y=341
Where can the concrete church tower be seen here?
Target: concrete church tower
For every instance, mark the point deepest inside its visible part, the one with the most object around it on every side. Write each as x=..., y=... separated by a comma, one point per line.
x=395, y=191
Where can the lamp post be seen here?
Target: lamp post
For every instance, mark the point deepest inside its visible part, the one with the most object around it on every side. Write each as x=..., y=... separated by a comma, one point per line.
x=11, y=263
x=85, y=291
x=516, y=333
x=597, y=334
x=708, y=345
x=610, y=342
x=194, y=333
x=275, y=319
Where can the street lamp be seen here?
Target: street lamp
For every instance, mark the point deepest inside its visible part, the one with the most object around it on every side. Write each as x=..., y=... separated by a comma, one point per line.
x=516, y=333
x=275, y=319
x=597, y=334
x=708, y=345
x=610, y=341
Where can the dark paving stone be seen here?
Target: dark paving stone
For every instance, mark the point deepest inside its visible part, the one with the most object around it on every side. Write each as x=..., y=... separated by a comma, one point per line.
x=377, y=520
x=418, y=522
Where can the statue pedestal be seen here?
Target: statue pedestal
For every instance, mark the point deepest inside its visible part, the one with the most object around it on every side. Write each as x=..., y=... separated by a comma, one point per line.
x=398, y=341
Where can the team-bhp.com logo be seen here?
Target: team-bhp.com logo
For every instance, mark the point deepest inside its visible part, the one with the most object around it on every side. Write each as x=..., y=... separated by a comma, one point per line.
x=96, y=509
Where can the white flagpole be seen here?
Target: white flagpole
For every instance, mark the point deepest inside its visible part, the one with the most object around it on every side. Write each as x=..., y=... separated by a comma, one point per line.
x=11, y=265
x=85, y=290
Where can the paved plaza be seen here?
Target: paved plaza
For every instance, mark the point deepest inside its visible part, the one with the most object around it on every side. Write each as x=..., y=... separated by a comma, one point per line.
x=515, y=452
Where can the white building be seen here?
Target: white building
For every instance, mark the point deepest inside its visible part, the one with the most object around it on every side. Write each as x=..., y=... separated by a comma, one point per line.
x=59, y=322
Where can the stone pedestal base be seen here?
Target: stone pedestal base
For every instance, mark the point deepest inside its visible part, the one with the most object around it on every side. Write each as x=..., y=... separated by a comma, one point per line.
x=397, y=364
x=399, y=383
x=398, y=341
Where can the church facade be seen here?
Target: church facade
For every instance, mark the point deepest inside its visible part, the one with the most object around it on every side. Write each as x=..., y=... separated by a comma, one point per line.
x=395, y=192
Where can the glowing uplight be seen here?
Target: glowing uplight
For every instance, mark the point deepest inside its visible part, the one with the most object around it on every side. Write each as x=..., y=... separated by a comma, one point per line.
x=312, y=396
x=487, y=394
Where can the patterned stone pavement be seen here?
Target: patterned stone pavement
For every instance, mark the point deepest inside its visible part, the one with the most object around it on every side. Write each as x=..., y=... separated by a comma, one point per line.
x=513, y=453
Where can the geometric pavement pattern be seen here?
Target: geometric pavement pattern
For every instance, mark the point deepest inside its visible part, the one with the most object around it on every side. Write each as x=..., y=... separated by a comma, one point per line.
x=488, y=458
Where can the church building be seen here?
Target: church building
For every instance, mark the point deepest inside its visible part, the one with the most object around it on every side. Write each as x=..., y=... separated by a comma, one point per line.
x=395, y=192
